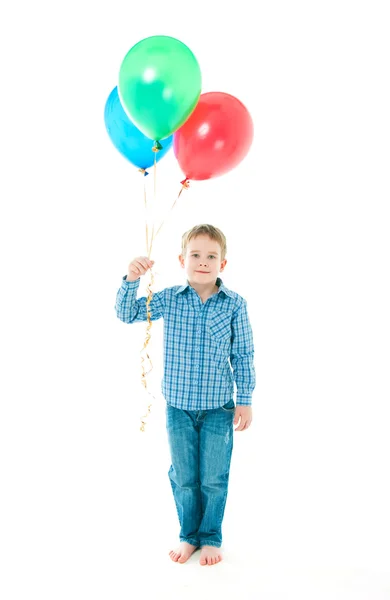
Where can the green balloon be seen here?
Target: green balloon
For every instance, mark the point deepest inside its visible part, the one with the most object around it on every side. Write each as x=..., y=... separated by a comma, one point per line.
x=159, y=85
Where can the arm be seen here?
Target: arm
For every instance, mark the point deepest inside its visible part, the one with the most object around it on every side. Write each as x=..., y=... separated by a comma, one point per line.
x=241, y=356
x=129, y=309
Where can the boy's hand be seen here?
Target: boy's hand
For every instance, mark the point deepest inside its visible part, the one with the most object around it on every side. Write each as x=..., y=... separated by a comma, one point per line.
x=245, y=413
x=138, y=267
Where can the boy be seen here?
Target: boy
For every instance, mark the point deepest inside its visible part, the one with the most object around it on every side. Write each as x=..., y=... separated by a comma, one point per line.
x=205, y=324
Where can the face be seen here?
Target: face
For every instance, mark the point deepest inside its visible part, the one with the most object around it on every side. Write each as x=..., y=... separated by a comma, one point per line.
x=203, y=260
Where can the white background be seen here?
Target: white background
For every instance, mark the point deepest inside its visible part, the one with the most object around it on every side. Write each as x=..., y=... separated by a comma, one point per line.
x=86, y=505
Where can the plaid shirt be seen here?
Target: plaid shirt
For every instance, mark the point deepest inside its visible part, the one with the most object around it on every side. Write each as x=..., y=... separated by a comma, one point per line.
x=199, y=340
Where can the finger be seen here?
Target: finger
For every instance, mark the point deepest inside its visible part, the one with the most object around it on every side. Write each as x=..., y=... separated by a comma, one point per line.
x=147, y=263
x=135, y=270
x=143, y=262
x=142, y=269
x=241, y=425
x=244, y=425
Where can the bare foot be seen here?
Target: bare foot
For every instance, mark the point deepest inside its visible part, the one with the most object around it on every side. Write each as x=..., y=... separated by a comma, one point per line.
x=210, y=555
x=183, y=552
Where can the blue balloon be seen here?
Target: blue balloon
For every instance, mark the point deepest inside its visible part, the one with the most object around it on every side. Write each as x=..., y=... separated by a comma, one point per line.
x=127, y=138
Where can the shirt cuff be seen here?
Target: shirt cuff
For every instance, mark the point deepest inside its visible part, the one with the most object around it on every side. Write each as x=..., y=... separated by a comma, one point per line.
x=132, y=284
x=243, y=400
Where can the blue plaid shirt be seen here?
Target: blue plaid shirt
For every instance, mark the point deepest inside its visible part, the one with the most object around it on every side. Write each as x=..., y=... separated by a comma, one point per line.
x=199, y=340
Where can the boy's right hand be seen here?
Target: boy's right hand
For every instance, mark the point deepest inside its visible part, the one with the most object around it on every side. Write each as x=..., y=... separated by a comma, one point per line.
x=138, y=267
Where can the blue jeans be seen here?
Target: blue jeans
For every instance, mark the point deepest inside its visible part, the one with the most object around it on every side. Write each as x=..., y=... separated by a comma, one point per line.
x=201, y=444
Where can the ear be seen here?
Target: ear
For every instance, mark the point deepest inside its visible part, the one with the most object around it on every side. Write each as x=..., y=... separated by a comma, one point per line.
x=223, y=265
x=181, y=259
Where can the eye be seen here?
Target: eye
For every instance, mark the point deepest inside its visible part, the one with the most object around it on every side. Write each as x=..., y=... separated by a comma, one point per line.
x=210, y=255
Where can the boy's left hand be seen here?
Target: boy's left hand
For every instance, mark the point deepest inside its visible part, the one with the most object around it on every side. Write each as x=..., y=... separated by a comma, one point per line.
x=245, y=414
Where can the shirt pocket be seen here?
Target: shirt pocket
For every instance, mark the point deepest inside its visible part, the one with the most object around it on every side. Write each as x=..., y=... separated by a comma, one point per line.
x=220, y=331
x=220, y=326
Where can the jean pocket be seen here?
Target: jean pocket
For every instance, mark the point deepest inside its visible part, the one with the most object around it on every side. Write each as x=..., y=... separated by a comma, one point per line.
x=229, y=407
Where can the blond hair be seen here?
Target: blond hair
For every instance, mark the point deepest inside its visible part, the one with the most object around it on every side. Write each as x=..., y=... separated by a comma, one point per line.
x=213, y=232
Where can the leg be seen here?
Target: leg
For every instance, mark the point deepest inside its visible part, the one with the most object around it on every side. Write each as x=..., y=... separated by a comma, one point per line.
x=216, y=445
x=183, y=439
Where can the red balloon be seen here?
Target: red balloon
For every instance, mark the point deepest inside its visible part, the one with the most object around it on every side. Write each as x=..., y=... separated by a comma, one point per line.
x=215, y=138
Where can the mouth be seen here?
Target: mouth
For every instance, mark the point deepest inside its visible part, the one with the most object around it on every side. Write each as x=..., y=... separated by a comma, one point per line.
x=204, y=272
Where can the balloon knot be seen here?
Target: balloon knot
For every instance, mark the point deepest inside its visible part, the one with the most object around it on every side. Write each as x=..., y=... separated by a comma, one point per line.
x=144, y=171
x=185, y=183
x=157, y=146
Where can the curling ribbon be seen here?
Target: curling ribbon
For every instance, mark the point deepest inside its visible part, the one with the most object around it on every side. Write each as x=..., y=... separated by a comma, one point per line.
x=185, y=185
x=150, y=294
x=144, y=373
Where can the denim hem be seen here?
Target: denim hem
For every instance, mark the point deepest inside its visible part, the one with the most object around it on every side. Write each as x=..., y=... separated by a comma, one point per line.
x=210, y=543
x=190, y=541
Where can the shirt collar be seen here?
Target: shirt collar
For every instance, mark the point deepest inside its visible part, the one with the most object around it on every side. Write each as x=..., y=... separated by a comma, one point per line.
x=218, y=282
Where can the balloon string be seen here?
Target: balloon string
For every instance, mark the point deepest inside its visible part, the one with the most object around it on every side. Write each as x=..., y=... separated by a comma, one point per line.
x=146, y=342
x=146, y=217
x=184, y=186
x=156, y=148
x=154, y=199
x=149, y=325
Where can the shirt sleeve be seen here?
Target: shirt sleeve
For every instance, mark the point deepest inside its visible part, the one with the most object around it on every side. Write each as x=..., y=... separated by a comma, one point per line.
x=131, y=309
x=242, y=355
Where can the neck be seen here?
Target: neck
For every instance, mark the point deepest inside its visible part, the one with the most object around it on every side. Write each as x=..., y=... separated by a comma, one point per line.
x=206, y=289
